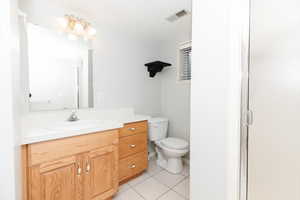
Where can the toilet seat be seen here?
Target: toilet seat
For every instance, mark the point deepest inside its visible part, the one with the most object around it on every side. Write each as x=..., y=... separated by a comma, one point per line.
x=174, y=143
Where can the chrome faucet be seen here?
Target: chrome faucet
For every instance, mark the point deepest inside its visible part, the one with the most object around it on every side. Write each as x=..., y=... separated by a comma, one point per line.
x=73, y=117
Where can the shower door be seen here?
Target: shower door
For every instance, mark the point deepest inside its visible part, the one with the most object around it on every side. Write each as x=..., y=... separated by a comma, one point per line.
x=274, y=98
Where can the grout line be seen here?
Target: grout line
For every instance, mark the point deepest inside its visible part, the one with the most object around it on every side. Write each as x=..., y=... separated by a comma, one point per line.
x=141, y=181
x=169, y=189
x=184, y=177
x=138, y=193
x=156, y=173
x=152, y=176
x=169, y=186
x=178, y=192
x=132, y=188
x=180, y=182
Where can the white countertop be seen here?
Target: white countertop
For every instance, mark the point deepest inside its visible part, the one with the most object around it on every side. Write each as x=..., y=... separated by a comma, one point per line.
x=51, y=132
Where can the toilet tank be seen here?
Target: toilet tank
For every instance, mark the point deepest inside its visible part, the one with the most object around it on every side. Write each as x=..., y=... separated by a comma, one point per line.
x=158, y=128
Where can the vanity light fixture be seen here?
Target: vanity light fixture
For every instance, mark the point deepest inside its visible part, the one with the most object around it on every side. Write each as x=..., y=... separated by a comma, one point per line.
x=76, y=27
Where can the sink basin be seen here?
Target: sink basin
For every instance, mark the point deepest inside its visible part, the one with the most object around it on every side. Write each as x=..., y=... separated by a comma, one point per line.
x=78, y=125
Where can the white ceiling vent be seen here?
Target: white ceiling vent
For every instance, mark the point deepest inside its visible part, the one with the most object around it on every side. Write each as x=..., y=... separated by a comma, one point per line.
x=177, y=15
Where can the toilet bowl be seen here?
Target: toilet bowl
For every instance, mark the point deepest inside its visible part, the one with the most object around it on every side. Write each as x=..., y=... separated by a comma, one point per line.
x=169, y=157
x=169, y=150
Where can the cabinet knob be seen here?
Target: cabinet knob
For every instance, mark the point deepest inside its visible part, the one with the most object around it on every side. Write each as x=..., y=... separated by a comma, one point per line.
x=132, y=145
x=132, y=166
x=88, y=168
x=132, y=129
x=79, y=171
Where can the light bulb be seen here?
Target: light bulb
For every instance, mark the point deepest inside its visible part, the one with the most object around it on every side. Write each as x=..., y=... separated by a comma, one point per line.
x=91, y=31
x=79, y=28
x=63, y=22
x=72, y=37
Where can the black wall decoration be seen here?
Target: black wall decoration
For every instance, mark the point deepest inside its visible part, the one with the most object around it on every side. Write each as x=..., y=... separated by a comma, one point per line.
x=155, y=67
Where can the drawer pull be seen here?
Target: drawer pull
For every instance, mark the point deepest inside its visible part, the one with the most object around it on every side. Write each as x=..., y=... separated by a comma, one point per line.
x=132, y=145
x=132, y=166
x=88, y=168
x=79, y=171
x=132, y=129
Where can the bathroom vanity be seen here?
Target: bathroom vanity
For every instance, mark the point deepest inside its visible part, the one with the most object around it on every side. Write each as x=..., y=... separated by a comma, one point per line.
x=86, y=166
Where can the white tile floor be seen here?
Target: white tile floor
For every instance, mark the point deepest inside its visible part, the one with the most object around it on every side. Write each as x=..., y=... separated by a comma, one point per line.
x=156, y=184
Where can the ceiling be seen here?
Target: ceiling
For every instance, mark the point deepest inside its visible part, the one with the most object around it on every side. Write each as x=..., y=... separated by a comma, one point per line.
x=139, y=18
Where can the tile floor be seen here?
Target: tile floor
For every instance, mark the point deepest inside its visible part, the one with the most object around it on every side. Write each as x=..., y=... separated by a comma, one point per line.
x=156, y=184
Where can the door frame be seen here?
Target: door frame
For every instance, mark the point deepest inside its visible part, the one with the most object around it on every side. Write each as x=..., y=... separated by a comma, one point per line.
x=245, y=119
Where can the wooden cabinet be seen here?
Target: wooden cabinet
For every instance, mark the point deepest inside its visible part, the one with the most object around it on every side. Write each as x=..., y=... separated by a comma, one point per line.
x=56, y=180
x=133, y=165
x=76, y=168
x=101, y=173
x=133, y=144
x=134, y=128
x=133, y=150
x=87, y=167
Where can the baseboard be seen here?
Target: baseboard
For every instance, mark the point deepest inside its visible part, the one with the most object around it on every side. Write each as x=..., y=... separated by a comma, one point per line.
x=151, y=155
x=186, y=161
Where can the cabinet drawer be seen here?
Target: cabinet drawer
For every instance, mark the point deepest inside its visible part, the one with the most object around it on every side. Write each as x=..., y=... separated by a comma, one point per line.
x=134, y=128
x=56, y=149
x=133, y=144
x=133, y=165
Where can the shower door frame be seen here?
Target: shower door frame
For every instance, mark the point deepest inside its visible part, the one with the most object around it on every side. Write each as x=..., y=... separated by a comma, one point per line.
x=246, y=117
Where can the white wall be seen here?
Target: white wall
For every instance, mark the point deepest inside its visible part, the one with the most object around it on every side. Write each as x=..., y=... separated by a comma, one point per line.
x=120, y=77
x=9, y=151
x=215, y=95
x=175, y=96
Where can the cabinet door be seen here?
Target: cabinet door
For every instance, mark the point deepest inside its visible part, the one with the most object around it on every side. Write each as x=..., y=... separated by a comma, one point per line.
x=101, y=173
x=56, y=180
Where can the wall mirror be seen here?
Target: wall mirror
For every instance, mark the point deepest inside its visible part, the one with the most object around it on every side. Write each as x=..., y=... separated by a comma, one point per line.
x=60, y=79
x=56, y=55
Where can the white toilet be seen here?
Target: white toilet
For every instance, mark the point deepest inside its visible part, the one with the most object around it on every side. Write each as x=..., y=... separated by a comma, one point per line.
x=169, y=150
